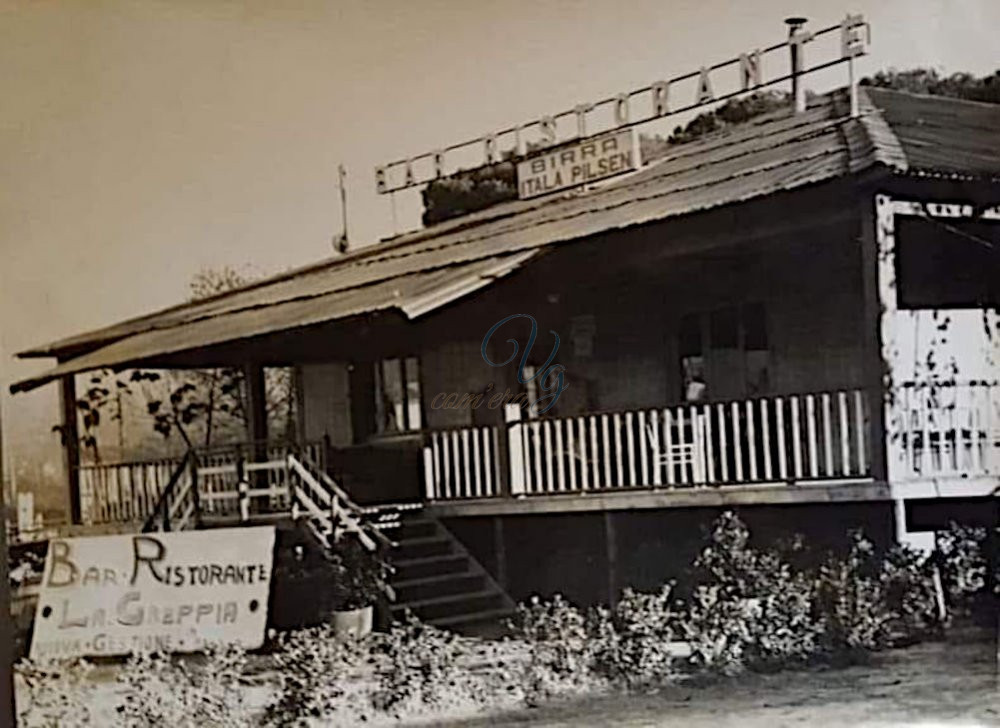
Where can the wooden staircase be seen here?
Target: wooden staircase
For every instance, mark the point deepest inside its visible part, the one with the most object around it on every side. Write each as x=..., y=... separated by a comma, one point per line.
x=439, y=581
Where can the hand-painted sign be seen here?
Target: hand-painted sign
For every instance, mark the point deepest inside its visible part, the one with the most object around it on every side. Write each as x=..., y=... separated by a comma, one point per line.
x=627, y=109
x=574, y=164
x=173, y=592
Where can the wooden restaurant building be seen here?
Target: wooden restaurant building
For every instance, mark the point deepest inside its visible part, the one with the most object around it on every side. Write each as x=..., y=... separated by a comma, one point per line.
x=795, y=317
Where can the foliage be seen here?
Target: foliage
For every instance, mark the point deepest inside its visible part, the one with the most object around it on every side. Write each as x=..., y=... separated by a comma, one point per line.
x=850, y=600
x=359, y=576
x=633, y=644
x=58, y=694
x=469, y=191
x=750, y=608
x=960, y=85
x=963, y=563
x=418, y=667
x=315, y=670
x=559, y=650
x=169, y=690
x=195, y=404
x=910, y=595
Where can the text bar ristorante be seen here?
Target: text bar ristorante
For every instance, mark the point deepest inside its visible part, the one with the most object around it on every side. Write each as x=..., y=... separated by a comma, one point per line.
x=622, y=111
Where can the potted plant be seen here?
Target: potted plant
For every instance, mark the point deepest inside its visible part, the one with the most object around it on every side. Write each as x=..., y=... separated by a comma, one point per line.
x=359, y=580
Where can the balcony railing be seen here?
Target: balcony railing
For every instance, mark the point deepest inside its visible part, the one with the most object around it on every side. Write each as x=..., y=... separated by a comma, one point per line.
x=944, y=429
x=817, y=436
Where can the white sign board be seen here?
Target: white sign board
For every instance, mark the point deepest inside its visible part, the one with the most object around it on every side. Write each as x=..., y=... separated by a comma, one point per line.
x=571, y=165
x=171, y=592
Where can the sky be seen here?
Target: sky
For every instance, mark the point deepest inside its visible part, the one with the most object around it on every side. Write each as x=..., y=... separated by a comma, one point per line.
x=141, y=142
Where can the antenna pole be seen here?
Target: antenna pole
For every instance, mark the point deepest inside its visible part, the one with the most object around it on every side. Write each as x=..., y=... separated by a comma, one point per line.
x=341, y=243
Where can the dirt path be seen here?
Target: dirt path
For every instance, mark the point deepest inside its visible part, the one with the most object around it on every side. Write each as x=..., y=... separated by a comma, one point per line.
x=952, y=683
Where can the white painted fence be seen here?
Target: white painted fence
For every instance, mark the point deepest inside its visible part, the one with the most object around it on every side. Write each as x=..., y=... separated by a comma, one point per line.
x=944, y=429
x=818, y=436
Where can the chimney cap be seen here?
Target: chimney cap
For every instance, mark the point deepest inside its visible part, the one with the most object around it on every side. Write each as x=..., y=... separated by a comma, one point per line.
x=795, y=22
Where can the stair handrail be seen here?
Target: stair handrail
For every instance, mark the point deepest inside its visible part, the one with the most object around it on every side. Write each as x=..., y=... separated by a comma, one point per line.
x=342, y=509
x=165, y=494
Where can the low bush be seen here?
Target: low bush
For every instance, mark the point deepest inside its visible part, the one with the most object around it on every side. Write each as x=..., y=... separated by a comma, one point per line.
x=314, y=670
x=54, y=693
x=749, y=608
x=634, y=645
x=418, y=666
x=166, y=690
x=559, y=648
x=963, y=565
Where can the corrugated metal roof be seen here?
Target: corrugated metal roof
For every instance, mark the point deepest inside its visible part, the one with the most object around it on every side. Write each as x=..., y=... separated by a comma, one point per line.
x=775, y=152
x=413, y=294
x=943, y=136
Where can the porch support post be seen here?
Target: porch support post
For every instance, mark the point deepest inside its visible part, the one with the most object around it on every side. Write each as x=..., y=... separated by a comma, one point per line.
x=611, y=543
x=256, y=404
x=500, y=550
x=71, y=445
x=874, y=367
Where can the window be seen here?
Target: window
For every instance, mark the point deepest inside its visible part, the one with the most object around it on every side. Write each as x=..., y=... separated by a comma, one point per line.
x=953, y=264
x=724, y=353
x=397, y=395
x=692, y=359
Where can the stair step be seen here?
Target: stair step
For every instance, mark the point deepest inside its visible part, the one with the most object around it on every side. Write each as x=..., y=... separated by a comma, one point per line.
x=422, y=581
x=481, y=616
x=420, y=560
x=447, y=598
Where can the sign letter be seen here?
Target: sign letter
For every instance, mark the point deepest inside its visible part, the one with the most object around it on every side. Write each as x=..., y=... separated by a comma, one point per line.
x=705, y=94
x=749, y=70
x=661, y=98
x=621, y=109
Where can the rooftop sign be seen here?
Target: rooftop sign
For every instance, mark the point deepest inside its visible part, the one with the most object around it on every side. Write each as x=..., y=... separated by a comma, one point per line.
x=617, y=113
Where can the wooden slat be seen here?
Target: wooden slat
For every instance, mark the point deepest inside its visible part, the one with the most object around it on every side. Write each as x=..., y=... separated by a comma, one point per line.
x=827, y=434
x=765, y=425
x=606, y=441
x=845, y=434
x=668, y=443
x=643, y=447
x=536, y=447
x=655, y=453
x=550, y=485
x=630, y=445
x=571, y=455
x=811, y=434
x=581, y=433
x=723, y=448
x=862, y=432
x=751, y=441
x=619, y=453
x=737, y=442
x=682, y=442
x=796, y=437
x=477, y=462
x=709, y=443
x=595, y=458
x=560, y=455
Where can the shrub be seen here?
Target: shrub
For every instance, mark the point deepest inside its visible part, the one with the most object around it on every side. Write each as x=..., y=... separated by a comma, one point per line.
x=909, y=593
x=53, y=693
x=418, y=667
x=850, y=602
x=750, y=608
x=192, y=692
x=963, y=564
x=633, y=644
x=559, y=654
x=314, y=669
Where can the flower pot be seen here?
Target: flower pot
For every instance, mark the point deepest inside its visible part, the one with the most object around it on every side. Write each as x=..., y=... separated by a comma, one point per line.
x=353, y=623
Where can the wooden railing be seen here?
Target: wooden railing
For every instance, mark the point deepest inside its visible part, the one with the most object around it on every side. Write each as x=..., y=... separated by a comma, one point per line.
x=772, y=439
x=944, y=429
x=816, y=436
x=130, y=491
x=122, y=492
x=462, y=463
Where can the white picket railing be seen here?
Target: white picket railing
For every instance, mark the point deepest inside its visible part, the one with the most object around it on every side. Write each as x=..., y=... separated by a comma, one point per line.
x=462, y=463
x=772, y=439
x=944, y=429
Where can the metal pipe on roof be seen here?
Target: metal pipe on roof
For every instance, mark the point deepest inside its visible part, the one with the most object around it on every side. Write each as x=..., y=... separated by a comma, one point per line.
x=796, y=39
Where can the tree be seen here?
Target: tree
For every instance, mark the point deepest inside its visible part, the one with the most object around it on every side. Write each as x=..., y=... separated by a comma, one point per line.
x=200, y=406
x=960, y=85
